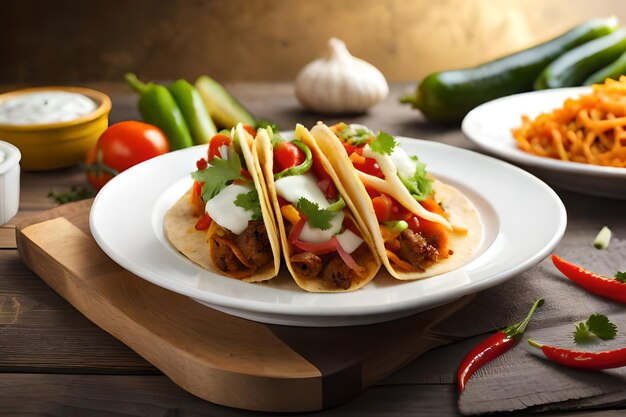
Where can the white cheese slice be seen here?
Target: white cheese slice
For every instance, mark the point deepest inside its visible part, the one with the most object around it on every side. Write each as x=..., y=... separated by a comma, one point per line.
x=224, y=212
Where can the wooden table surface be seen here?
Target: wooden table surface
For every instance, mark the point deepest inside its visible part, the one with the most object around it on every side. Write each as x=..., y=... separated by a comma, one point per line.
x=53, y=361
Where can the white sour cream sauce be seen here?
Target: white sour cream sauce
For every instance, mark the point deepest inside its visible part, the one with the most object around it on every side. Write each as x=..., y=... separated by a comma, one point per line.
x=45, y=107
x=223, y=211
x=293, y=187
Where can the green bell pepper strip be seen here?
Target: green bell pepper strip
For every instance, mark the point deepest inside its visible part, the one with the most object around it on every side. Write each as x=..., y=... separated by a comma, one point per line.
x=158, y=107
x=194, y=111
x=447, y=96
x=337, y=205
x=299, y=169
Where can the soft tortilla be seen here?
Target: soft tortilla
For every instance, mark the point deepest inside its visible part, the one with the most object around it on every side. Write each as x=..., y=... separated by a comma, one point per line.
x=370, y=262
x=462, y=211
x=180, y=223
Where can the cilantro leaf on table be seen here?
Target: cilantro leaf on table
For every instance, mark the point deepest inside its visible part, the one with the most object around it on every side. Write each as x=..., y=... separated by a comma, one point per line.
x=74, y=194
x=217, y=175
x=597, y=325
x=621, y=276
x=250, y=202
x=316, y=217
x=419, y=185
x=383, y=144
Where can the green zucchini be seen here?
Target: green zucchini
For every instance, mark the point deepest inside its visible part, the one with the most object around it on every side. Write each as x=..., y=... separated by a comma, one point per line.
x=613, y=70
x=573, y=67
x=194, y=111
x=448, y=96
x=225, y=110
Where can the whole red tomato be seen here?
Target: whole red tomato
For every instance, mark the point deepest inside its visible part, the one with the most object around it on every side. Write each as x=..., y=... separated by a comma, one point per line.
x=122, y=146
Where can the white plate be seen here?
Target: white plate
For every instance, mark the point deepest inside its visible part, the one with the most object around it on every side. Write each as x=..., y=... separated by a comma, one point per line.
x=489, y=126
x=523, y=221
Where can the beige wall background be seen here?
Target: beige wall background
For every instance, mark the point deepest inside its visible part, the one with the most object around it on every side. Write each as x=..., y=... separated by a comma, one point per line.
x=257, y=40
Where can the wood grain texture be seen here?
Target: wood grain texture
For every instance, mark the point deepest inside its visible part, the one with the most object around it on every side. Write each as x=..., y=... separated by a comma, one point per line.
x=194, y=345
x=209, y=353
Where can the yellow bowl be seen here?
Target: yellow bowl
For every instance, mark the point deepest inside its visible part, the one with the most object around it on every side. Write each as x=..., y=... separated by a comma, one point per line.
x=60, y=144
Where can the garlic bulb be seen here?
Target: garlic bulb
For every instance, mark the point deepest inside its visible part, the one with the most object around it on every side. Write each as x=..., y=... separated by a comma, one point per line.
x=340, y=83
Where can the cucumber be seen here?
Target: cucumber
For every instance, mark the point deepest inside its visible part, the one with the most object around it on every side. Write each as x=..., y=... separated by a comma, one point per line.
x=613, y=70
x=573, y=67
x=447, y=96
x=225, y=110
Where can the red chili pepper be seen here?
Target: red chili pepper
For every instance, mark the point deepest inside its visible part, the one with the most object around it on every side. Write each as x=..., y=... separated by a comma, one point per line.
x=580, y=359
x=492, y=347
x=592, y=282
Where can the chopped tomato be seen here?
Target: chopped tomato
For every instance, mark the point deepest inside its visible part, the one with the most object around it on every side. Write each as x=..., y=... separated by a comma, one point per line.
x=250, y=130
x=320, y=172
x=246, y=174
x=350, y=148
x=282, y=201
x=382, y=207
x=201, y=164
x=414, y=223
x=370, y=166
x=288, y=155
x=216, y=143
x=204, y=222
x=372, y=192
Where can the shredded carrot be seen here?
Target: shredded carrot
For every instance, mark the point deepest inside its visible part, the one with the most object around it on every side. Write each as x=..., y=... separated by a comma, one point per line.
x=399, y=262
x=589, y=129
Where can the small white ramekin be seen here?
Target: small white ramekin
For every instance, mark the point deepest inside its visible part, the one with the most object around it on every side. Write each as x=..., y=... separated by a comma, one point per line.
x=9, y=182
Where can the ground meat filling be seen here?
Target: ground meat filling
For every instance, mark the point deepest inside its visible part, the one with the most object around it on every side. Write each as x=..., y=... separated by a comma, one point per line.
x=337, y=272
x=254, y=243
x=253, y=247
x=307, y=263
x=329, y=268
x=416, y=250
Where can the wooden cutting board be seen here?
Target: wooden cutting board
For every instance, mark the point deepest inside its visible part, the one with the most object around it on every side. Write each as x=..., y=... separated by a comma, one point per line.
x=215, y=356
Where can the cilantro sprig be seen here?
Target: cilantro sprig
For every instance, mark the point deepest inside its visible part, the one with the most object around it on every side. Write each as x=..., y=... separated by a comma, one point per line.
x=250, y=202
x=316, y=217
x=217, y=175
x=383, y=144
x=596, y=326
x=620, y=276
x=419, y=185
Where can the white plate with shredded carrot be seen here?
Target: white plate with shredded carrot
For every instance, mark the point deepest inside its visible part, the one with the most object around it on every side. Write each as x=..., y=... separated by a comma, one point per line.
x=572, y=136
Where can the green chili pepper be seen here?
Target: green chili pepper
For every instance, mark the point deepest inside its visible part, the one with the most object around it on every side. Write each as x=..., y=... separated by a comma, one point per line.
x=613, y=70
x=448, y=96
x=158, y=107
x=337, y=205
x=573, y=67
x=303, y=167
x=397, y=226
x=194, y=111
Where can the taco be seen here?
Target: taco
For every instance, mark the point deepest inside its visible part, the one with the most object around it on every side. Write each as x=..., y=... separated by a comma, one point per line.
x=421, y=227
x=325, y=243
x=224, y=223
